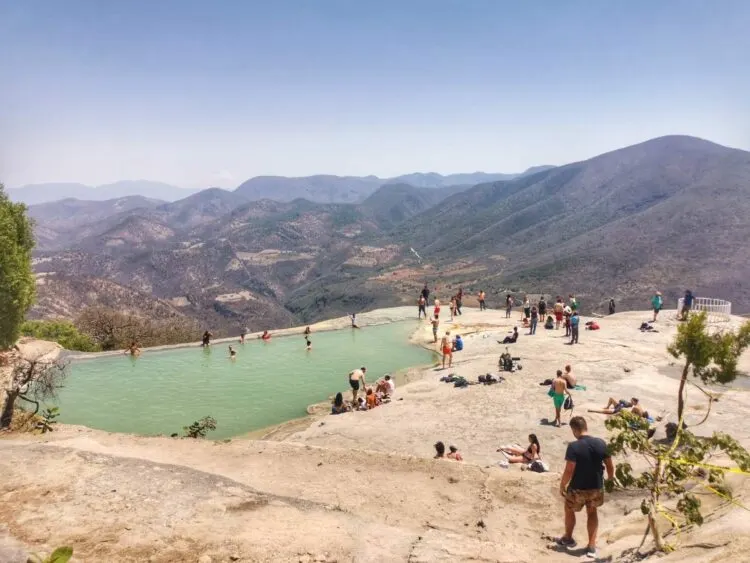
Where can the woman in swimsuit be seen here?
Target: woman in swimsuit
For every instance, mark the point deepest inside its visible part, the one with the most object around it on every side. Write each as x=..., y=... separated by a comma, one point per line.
x=531, y=453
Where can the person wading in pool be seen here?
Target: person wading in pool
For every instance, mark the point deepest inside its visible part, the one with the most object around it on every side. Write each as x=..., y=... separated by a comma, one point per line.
x=357, y=380
x=207, y=339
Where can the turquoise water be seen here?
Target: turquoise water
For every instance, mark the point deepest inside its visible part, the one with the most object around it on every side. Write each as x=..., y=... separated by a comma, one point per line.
x=268, y=382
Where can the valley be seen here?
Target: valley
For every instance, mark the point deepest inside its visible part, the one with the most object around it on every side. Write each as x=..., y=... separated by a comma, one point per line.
x=669, y=213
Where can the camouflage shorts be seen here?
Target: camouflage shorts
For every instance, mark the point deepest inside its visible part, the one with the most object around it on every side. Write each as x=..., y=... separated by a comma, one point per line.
x=590, y=498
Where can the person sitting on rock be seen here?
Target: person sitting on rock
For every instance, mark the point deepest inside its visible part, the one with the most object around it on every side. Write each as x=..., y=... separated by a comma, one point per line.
x=371, y=398
x=338, y=406
x=385, y=387
x=518, y=455
x=458, y=343
x=512, y=339
x=454, y=454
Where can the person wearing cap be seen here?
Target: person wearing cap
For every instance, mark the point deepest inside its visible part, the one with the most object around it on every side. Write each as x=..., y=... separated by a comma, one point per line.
x=656, y=304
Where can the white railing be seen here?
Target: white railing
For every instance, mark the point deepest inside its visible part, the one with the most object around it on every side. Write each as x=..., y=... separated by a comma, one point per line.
x=717, y=309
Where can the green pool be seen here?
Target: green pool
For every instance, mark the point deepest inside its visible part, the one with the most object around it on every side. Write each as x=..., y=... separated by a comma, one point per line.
x=267, y=383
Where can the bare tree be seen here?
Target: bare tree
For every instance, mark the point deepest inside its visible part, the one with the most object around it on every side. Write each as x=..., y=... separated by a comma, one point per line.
x=32, y=381
x=115, y=330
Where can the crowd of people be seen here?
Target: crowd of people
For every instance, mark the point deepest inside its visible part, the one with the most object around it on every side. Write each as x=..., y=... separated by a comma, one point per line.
x=375, y=396
x=586, y=458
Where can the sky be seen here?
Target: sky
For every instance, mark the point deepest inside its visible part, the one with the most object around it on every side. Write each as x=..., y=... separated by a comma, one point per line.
x=211, y=93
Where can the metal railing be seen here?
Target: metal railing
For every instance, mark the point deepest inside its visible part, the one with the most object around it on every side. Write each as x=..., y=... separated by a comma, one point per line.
x=718, y=310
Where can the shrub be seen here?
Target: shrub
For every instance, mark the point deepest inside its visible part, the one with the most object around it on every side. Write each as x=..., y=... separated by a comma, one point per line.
x=17, y=282
x=64, y=333
x=200, y=428
x=674, y=469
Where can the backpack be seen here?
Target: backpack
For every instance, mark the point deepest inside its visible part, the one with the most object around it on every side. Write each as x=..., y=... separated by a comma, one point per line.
x=538, y=466
x=568, y=404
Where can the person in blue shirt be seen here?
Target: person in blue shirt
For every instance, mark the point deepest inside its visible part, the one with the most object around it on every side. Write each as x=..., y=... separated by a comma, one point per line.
x=574, y=321
x=458, y=343
x=687, y=304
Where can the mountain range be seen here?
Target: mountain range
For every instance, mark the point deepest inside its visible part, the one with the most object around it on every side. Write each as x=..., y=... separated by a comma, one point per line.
x=668, y=214
x=321, y=188
x=44, y=193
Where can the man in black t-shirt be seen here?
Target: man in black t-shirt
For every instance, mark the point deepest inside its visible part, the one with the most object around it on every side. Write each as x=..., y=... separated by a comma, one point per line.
x=426, y=293
x=582, y=483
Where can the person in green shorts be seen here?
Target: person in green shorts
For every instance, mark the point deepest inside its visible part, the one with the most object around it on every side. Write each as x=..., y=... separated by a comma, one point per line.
x=558, y=391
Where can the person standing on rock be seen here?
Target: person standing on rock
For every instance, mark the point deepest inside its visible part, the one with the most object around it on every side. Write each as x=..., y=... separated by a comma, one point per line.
x=582, y=483
x=422, y=307
x=446, y=347
x=687, y=304
x=508, y=305
x=558, y=391
x=542, y=307
x=459, y=300
x=656, y=304
x=567, y=313
x=436, y=309
x=482, y=306
x=574, y=322
x=526, y=307
x=558, y=308
x=534, y=320
x=426, y=293
x=611, y=305
x=435, y=324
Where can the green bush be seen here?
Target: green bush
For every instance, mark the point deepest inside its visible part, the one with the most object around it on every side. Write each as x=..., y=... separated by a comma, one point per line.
x=63, y=332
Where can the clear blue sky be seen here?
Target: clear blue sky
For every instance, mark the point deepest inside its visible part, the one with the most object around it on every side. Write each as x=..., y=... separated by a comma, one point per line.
x=200, y=93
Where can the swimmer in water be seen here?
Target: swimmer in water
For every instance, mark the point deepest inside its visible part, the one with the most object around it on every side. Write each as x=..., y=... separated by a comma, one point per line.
x=308, y=344
x=265, y=336
x=232, y=353
x=133, y=349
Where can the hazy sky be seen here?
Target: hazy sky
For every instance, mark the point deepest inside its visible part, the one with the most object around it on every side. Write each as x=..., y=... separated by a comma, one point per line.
x=200, y=93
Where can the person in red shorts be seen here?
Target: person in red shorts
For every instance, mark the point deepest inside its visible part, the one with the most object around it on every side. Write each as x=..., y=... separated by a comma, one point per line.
x=447, y=349
x=559, y=308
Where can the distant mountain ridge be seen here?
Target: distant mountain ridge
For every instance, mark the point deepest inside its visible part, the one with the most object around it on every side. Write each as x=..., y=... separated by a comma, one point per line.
x=44, y=193
x=319, y=188
x=668, y=214
x=355, y=189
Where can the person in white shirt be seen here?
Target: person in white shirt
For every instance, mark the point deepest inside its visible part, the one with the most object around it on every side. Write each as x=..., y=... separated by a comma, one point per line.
x=386, y=386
